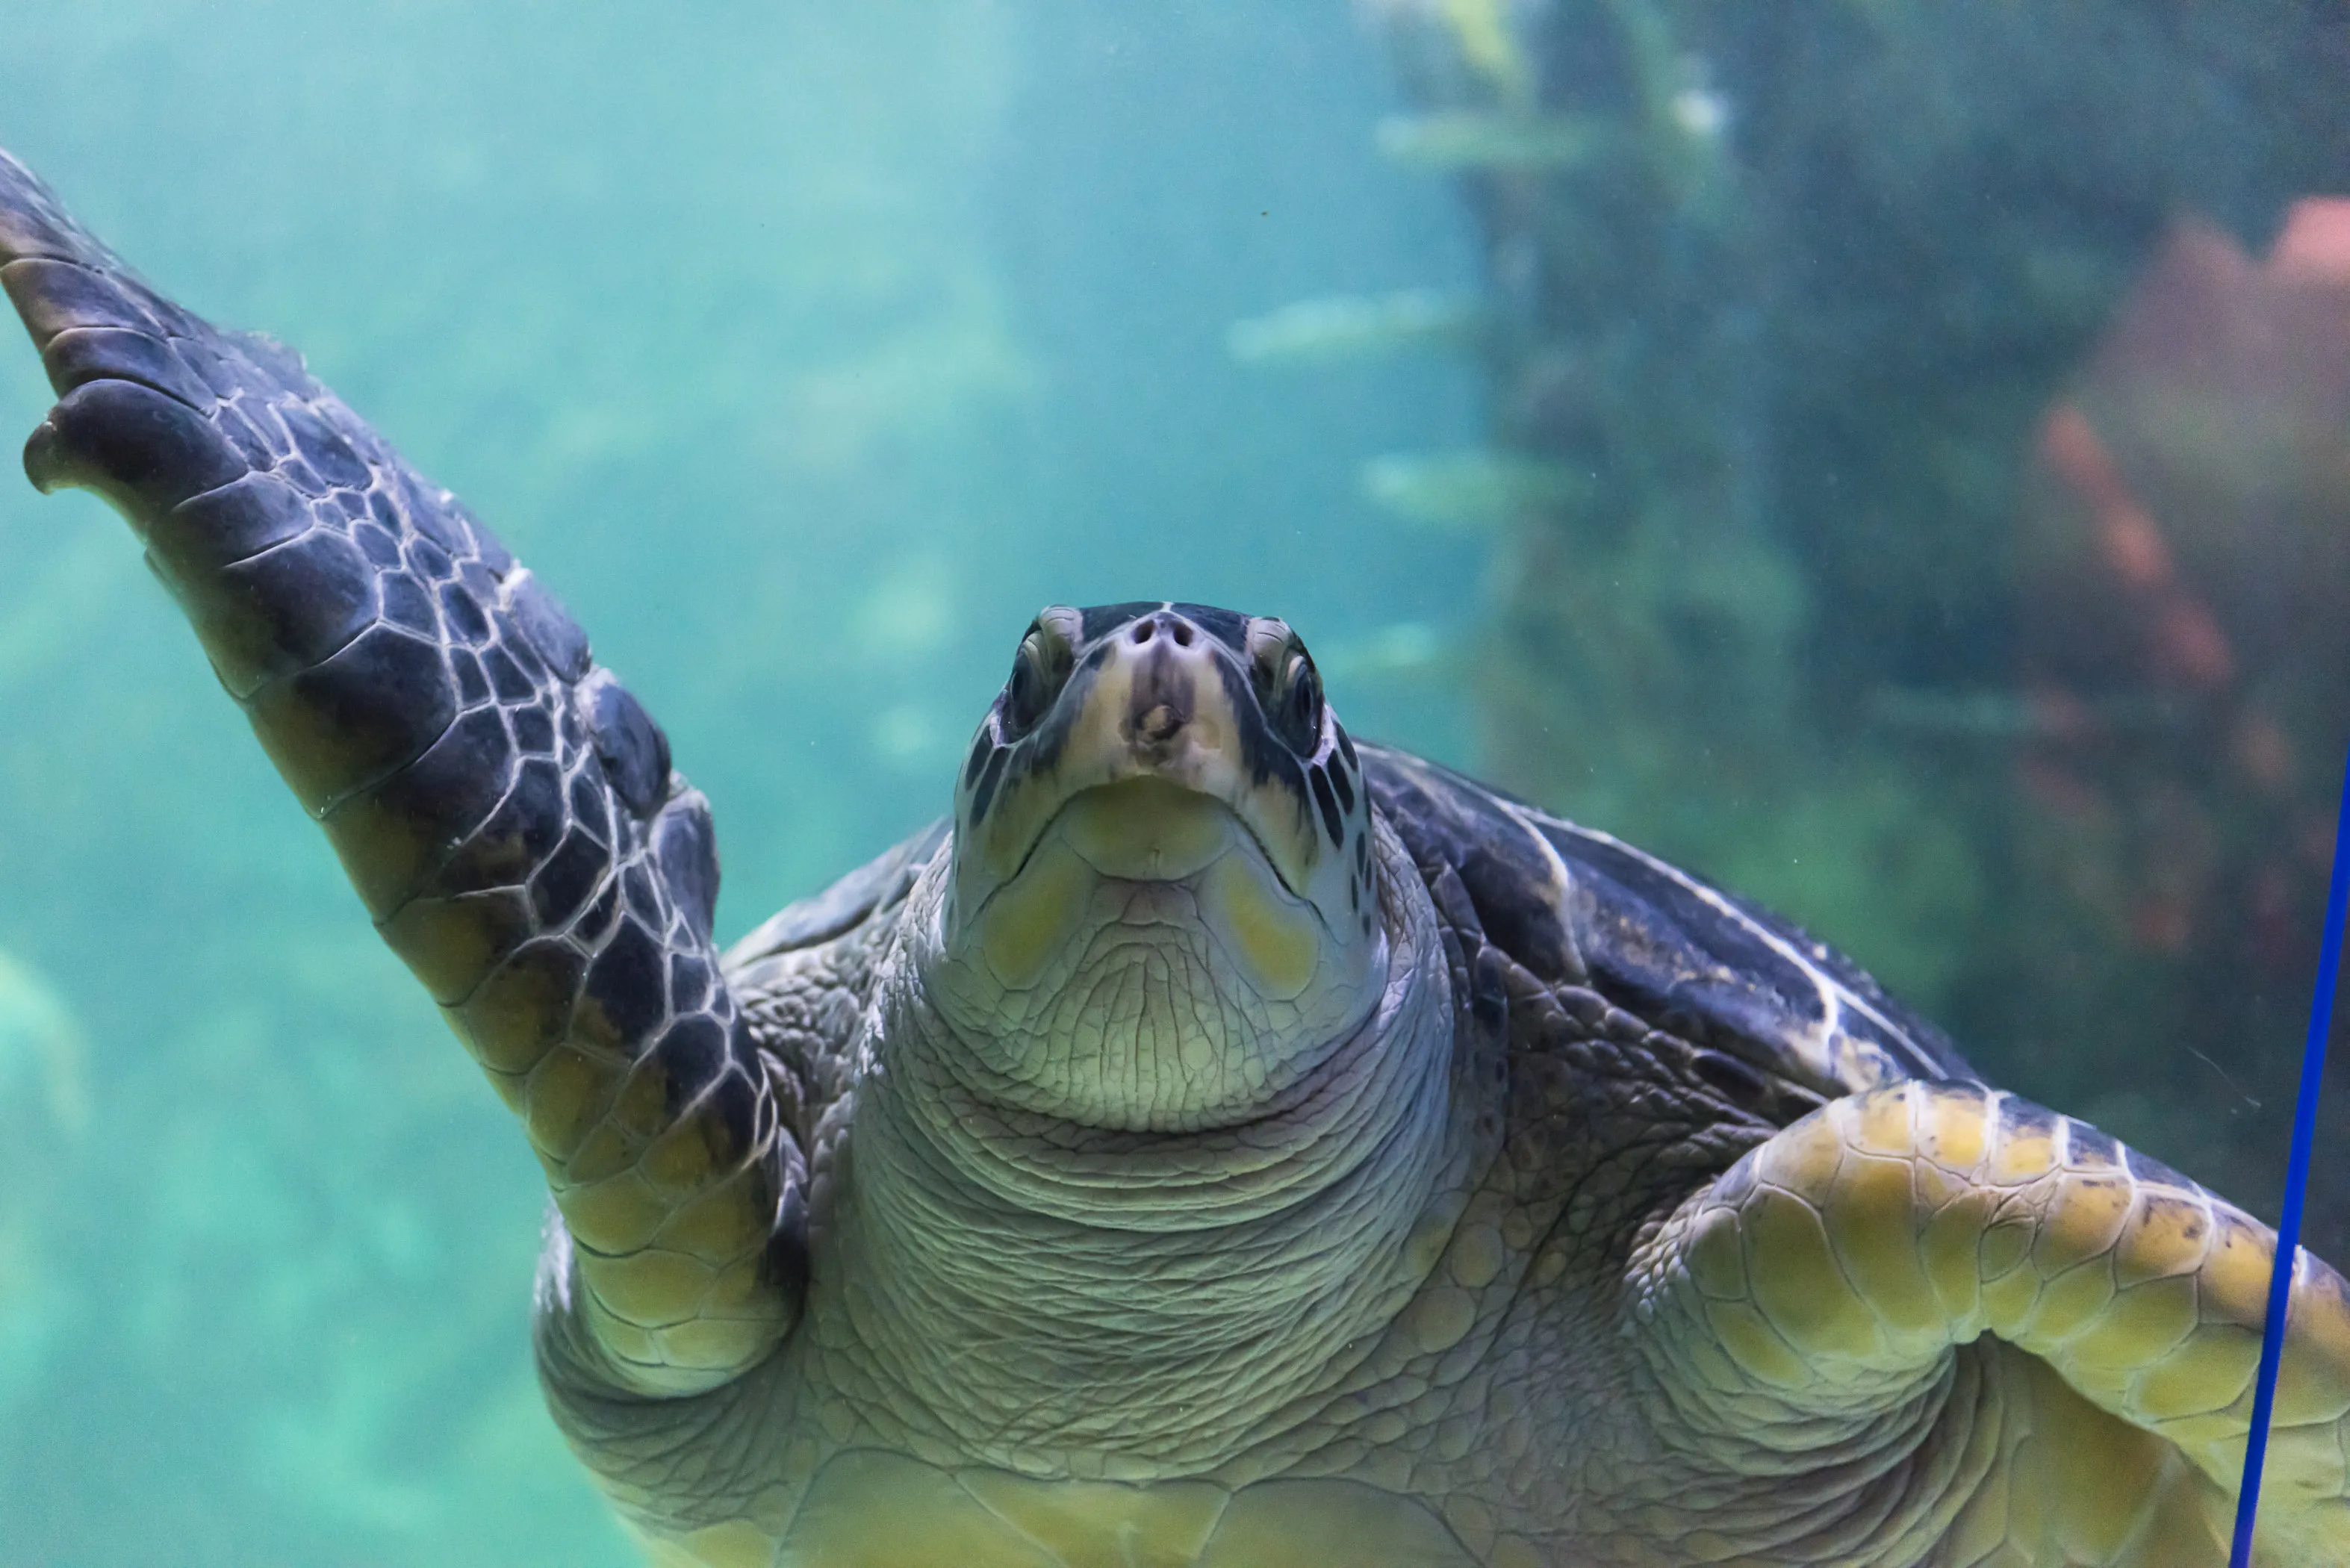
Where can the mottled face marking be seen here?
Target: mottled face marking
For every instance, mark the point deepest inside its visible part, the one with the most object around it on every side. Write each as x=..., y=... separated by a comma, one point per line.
x=1162, y=848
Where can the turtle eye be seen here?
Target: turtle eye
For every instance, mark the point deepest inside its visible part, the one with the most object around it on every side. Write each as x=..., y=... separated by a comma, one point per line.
x=1288, y=687
x=1039, y=670
x=1298, y=711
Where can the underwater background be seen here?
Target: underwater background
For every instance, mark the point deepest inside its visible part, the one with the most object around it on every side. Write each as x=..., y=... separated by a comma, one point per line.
x=1893, y=457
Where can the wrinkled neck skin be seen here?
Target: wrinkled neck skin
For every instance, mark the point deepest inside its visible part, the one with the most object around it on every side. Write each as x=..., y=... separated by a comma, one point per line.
x=1053, y=1294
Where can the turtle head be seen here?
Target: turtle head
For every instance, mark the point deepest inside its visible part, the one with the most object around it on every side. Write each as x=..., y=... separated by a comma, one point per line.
x=1162, y=904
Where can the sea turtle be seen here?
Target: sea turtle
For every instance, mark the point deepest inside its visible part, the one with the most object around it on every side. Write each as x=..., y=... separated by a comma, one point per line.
x=1220, y=1141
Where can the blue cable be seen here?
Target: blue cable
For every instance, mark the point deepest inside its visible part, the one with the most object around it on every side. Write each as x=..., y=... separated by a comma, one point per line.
x=2296, y=1183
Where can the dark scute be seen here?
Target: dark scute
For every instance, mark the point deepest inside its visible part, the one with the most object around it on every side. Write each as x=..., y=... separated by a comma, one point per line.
x=279, y=612
x=642, y=897
x=556, y=635
x=175, y=321
x=1507, y=878
x=302, y=477
x=980, y=747
x=1346, y=747
x=687, y=848
x=32, y=223
x=380, y=548
x=984, y=795
x=54, y=296
x=1667, y=944
x=86, y=354
x=1345, y=788
x=534, y=730
x=428, y=808
x=1099, y=620
x=601, y=912
x=223, y=373
x=1924, y=1043
x=463, y=615
x=472, y=686
x=568, y=879
x=590, y=806
x=235, y=522
x=325, y=448
x=347, y=722
x=635, y=753
x=627, y=981
x=1226, y=626
x=478, y=582
x=486, y=548
x=451, y=522
x=2146, y=1167
x=2021, y=1118
x=521, y=834
x=429, y=560
x=1650, y=943
x=140, y=450
x=2092, y=1146
x=260, y=416
x=408, y=603
x=690, y=980
x=692, y=1053
x=506, y=677
x=1332, y=823
x=245, y=435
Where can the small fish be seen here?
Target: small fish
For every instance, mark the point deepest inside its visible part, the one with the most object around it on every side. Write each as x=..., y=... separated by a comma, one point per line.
x=39, y=1037
x=1406, y=648
x=1474, y=489
x=1356, y=327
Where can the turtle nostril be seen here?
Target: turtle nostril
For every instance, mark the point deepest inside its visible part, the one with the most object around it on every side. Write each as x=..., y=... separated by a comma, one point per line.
x=1142, y=630
x=1182, y=632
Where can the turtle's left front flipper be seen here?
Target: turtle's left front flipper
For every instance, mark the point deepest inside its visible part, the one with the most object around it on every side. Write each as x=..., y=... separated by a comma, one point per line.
x=503, y=807
x=1818, y=1288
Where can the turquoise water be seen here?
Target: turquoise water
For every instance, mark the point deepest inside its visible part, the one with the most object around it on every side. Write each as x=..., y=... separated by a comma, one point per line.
x=1742, y=428
x=804, y=351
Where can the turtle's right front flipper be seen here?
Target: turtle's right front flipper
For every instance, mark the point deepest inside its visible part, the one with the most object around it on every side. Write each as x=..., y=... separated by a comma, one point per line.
x=504, y=807
x=1807, y=1304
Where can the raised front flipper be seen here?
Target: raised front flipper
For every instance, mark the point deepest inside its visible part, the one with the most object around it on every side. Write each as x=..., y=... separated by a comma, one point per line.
x=1801, y=1314
x=503, y=807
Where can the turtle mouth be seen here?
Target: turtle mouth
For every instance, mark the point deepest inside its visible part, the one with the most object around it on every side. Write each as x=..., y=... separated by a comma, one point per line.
x=1152, y=829
x=1145, y=853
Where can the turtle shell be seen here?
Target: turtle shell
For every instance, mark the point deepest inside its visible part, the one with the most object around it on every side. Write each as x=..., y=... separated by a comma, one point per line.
x=1576, y=907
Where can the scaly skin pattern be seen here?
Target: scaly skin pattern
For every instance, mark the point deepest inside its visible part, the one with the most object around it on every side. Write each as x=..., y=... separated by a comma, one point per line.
x=505, y=809
x=1825, y=1279
x=1599, y=1219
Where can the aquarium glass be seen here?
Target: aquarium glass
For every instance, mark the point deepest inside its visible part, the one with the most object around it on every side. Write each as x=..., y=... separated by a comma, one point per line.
x=1892, y=459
